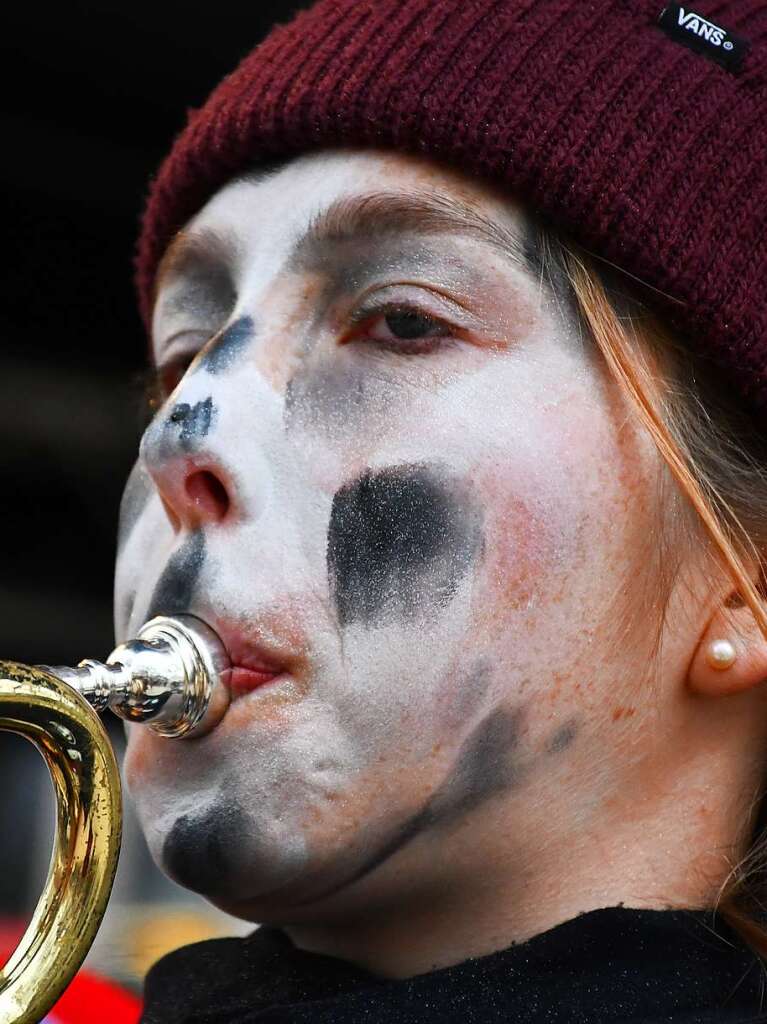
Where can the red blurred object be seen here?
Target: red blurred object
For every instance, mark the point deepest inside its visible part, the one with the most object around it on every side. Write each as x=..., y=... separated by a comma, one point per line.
x=93, y=1000
x=89, y=999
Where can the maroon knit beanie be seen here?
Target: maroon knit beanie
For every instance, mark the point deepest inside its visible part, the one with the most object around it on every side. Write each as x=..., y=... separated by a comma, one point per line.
x=640, y=130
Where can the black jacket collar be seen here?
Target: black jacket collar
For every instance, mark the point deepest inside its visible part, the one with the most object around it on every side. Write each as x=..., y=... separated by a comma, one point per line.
x=611, y=965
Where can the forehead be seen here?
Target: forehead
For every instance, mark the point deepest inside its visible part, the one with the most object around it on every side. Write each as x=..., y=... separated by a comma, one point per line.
x=286, y=216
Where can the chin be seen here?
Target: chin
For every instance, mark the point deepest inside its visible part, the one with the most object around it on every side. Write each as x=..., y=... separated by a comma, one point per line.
x=223, y=855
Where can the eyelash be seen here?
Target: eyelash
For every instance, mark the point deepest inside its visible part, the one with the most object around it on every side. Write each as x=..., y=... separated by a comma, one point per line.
x=158, y=383
x=402, y=346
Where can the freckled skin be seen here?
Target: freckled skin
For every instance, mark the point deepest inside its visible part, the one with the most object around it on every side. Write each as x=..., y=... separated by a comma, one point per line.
x=447, y=544
x=563, y=737
x=485, y=766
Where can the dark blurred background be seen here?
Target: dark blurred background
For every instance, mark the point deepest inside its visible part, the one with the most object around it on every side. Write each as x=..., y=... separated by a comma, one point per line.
x=92, y=97
x=94, y=94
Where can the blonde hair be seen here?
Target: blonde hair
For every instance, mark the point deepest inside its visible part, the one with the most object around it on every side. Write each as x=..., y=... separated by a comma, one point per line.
x=713, y=449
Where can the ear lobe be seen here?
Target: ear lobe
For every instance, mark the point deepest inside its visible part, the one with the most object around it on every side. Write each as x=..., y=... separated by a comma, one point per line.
x=737, y=626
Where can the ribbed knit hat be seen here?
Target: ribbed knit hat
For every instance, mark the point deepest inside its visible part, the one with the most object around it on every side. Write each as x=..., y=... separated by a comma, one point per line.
x=639, y=129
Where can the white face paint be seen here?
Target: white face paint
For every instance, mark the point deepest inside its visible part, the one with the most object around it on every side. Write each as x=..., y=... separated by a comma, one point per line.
x=395, y=462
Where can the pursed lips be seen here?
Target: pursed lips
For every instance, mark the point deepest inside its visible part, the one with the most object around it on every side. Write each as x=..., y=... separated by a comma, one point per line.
x=244, y=680
x=253, y=664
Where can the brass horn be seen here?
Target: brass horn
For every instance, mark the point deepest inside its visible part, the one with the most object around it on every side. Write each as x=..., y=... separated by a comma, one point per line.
x=170, y=677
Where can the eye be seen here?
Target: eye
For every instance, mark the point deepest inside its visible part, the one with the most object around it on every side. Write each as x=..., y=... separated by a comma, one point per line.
x=158, y=382
x=176, y=355
x=401, y=327
x=169, y=374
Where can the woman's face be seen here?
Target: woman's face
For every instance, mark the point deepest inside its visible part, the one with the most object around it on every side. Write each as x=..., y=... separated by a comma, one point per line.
x=394, y=463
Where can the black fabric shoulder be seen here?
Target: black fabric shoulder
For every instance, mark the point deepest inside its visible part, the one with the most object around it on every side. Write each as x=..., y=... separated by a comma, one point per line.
x=605, y=967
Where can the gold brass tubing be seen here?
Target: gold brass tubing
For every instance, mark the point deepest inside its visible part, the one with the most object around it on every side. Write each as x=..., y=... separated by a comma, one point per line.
x=85, y=777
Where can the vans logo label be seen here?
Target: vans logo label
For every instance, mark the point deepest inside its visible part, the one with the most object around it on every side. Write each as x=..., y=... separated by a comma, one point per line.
x=703, y=36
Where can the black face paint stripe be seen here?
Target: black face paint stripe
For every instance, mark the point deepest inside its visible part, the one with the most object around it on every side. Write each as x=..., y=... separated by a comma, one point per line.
x=223, y=354
x=486, y=765
x=399, y=540
x=175, y=588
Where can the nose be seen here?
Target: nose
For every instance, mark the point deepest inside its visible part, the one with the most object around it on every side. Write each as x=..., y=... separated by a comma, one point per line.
x=194, y=486
x=193, y=497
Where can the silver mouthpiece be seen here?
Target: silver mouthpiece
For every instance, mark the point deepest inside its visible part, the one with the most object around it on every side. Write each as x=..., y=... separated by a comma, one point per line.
x=169, y=677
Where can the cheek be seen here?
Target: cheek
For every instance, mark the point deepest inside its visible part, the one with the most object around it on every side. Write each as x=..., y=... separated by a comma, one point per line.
x=532, y=535
x=140, y=557
x=519, y=548
x=137, y=763
x=400, y=539
x=136, y=496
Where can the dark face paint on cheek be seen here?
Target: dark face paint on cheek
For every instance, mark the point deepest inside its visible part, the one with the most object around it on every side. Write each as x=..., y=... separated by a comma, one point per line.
x=175, y=588
x=223, y=354
x=487, y=764
x=563, y=737
x=399, y=541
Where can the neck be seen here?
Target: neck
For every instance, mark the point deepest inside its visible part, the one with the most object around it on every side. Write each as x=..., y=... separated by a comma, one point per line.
x=472, y=909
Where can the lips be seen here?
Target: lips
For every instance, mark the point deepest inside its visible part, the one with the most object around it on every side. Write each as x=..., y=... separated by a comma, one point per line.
x=254, y=663
x=244, y=680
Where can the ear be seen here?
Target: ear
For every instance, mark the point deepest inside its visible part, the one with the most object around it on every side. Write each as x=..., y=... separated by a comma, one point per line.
x=733, y=622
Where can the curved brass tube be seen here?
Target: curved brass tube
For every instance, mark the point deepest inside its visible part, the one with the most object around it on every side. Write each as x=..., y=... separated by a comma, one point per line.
x=170, y=677
x=85, y=777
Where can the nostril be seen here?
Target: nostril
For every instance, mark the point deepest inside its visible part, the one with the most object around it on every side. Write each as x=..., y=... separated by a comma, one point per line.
x=208, y=493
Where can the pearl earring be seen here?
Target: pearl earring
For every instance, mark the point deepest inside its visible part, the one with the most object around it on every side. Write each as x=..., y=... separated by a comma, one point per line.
x=721, y=654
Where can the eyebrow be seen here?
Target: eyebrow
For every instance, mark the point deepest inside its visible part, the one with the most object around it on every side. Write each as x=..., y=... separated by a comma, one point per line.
x=373, y=215
x=369, y=216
